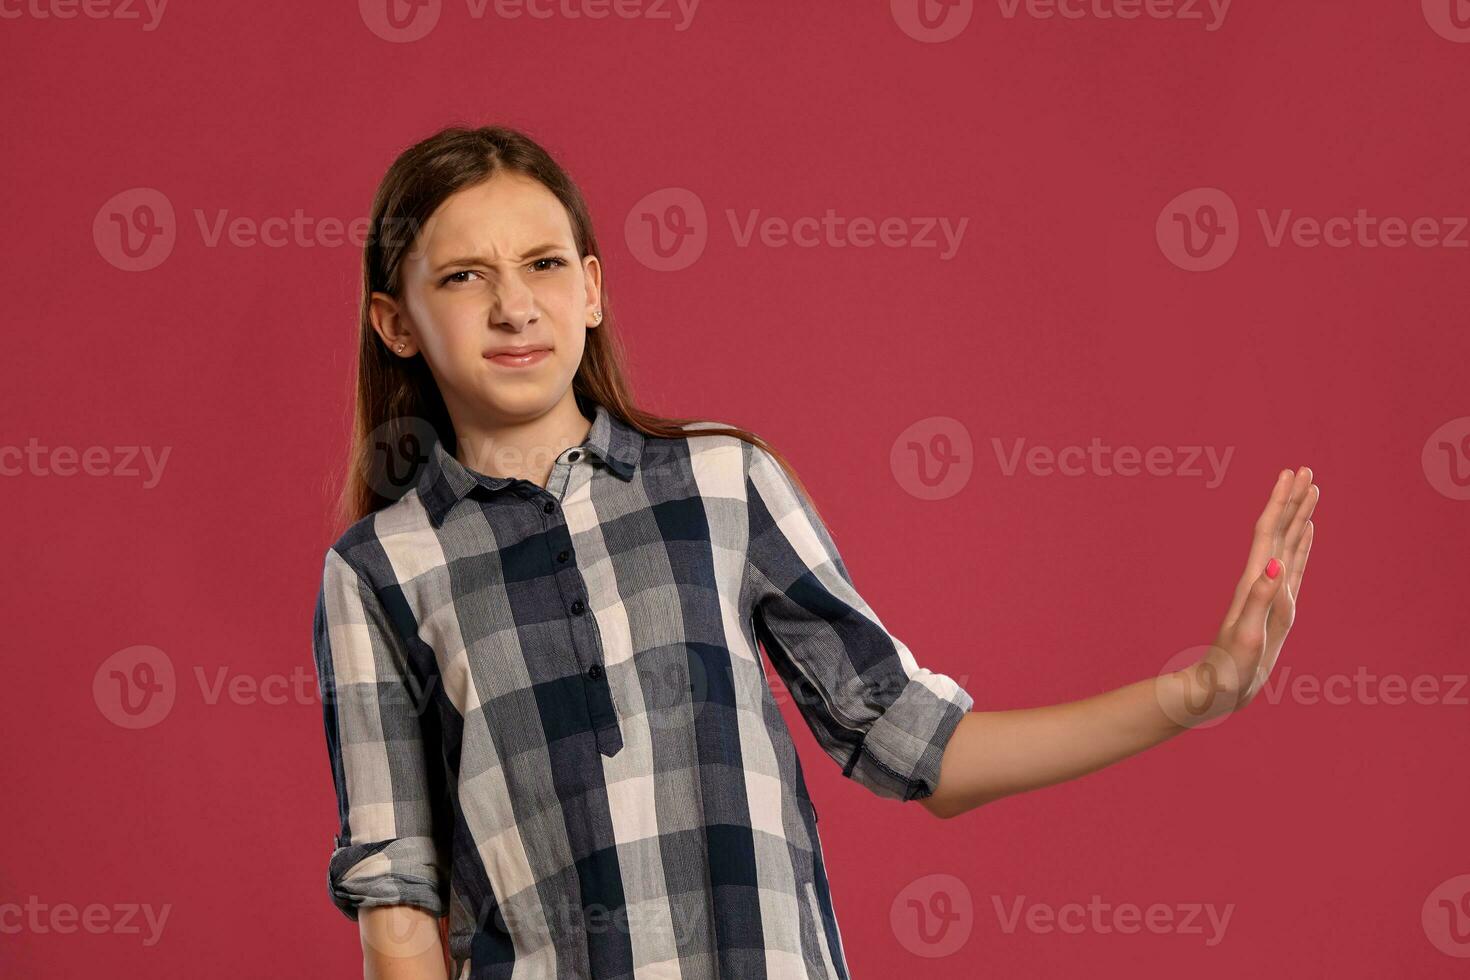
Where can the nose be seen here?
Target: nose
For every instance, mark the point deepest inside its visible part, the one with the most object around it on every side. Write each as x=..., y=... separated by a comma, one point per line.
x=514, y=306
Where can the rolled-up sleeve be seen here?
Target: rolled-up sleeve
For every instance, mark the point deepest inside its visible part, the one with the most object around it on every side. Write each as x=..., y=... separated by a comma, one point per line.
x=871, y=707
x=385, y=850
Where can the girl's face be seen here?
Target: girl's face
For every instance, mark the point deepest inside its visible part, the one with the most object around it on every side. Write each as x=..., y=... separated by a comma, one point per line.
x=495, y=267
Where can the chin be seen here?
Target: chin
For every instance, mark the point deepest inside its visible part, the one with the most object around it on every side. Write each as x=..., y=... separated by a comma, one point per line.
x=520, y=397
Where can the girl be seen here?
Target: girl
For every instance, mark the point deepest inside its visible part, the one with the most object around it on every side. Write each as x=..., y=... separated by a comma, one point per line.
x=537, y=640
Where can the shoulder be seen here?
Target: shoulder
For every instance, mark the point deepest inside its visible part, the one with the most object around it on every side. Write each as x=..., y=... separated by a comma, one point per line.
x=718, y=449
x=364, y=544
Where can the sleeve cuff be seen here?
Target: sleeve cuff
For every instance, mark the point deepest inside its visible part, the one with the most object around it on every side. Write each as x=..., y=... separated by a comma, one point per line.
x=400, y=871
x=900, y=756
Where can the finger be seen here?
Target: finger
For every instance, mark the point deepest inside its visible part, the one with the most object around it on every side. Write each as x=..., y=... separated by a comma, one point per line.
x=1263, y=543
x=1301, y=482
x=1268, y=525
x=1298, y=512
x=1299, y=560
x=1252, y=621
x=1283, y=605
x=1279, y=622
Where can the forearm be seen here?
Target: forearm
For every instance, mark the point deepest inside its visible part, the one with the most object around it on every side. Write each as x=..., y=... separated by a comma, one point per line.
x=994, y=754
x=401, y=942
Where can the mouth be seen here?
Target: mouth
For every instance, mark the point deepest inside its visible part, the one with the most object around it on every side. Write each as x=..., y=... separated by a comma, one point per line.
x=518, y=356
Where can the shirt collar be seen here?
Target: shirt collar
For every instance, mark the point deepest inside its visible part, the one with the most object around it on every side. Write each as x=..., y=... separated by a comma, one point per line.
x=445, y=480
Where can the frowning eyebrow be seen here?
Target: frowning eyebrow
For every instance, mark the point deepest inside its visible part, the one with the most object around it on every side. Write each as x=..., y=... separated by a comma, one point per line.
x=482, y=260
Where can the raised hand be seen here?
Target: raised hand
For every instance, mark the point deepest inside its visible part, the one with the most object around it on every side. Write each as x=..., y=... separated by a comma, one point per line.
x=1264, y=607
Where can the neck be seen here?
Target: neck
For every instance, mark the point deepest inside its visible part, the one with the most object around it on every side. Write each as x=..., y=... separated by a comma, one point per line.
x=522, y=448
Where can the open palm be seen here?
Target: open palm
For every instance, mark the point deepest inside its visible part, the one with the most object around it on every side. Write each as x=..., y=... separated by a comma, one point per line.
x=1264, y=607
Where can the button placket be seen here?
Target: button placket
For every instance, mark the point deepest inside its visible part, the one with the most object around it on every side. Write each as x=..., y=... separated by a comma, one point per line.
x=586, y=638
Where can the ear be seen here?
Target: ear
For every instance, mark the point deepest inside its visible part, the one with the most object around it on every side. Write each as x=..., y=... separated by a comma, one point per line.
x=592, y=279
x=391, y=325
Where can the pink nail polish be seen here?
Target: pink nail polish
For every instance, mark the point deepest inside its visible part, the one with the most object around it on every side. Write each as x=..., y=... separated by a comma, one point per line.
x=1273, y=568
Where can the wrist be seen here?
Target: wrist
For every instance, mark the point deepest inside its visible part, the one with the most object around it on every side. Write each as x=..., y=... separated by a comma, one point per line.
x=1212, y=688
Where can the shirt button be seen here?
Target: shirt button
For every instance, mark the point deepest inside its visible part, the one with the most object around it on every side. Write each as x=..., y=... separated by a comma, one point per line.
x=577, y=607
x=549, y=506
x=576, y=455
x=562, y=556
x=595, y=671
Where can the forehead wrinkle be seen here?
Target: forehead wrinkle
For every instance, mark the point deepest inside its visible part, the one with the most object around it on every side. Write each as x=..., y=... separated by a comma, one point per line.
x=530, y=218
x=504, y=244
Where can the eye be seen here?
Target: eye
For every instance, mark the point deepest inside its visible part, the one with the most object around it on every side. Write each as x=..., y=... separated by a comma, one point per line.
x=556, y=262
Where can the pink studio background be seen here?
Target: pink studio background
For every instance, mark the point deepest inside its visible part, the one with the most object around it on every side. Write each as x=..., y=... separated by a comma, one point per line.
x=1329, y=827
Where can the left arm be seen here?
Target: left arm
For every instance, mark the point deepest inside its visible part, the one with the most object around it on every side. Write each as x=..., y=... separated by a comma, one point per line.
x=993, y=754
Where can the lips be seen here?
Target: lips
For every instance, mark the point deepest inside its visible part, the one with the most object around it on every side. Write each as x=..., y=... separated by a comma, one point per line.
x=516, y=351
x=518, y=356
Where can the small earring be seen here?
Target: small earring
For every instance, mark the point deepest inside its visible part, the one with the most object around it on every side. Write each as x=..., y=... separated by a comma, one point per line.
x=597, y=316
x=399, y=348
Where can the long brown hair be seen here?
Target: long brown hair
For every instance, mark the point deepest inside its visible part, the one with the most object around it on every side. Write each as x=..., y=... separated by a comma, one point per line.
x=397, y=397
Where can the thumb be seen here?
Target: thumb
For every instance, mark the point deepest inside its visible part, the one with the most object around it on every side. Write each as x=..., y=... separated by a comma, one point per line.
x=1252, y=621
